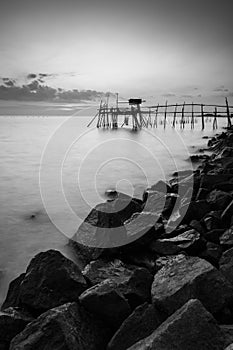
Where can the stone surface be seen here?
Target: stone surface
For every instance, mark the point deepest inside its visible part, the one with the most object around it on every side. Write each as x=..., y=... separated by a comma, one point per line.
x=141, y=323
x=226, y=239
x=227, y=213
x=164, y=247
x=191, y=327
x=12, y=321
x=227, y=331
x=212, y=253
x=213, y=235
x=212, y=221
x=191, y=277
x=115, y=297
x=12, y=298
x=194, y=210
x=50, y=280
x=66, y=327
x=169, y=260
x=219, y=199
x=226, y=264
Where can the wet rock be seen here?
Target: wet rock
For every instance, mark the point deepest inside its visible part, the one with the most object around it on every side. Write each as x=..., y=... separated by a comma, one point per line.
x=226, y=264
x=190, y=241
x=212, y=253
x=50, y=280
x=168, y=260
x=85, y=254
x=213, y=235
x=226, y=152
x=164, y=247
x=194, y=210
x=170, y=202
x=126, y=206
x=191, y=327
x=197, y=225
x=12, y=322
x=226, y=239
x=12, y=298
x=218, y=199
x=142, y=258
x=114, y=298
x=141, y=323
x=66, y=327
x=192, y=277
x=210, y=181
x=227, y=331
x=212, y=221
x=195, y=158
x=227, y=214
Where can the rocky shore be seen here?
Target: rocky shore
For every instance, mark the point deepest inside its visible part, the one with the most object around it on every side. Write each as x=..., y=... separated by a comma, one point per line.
x=169, y=285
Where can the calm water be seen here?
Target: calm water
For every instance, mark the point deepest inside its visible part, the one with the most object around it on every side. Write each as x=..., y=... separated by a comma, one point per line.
x=79, y=162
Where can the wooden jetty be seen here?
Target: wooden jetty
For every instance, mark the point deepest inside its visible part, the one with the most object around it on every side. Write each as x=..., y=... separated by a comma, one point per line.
x=150, y=116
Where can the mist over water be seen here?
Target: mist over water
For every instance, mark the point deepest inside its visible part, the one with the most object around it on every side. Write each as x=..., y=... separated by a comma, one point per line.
x=98, y=160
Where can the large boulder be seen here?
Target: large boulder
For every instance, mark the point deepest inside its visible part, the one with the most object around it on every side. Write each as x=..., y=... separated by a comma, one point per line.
x=227, y=213
x=191, y=327
x=12, y=298
x=12, y=321
x=66, y=327
x=226, y=239
x=226, y=264
x=209, y=181
x=141, y=323
x=164, y=247
x=191, y=277
x=50, y=280
x=219, y=199
x=114, y=298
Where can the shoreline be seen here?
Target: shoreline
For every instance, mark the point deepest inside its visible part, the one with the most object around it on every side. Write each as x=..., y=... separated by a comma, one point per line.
x=164, y=276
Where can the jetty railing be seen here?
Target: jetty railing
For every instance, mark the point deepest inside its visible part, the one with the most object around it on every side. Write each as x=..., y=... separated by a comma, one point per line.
x=148, y=116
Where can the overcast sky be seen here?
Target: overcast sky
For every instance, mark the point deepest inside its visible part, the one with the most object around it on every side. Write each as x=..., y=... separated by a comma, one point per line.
x=134, y=47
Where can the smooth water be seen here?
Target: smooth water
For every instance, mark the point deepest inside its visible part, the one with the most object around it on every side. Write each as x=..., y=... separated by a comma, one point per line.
x=81, y=163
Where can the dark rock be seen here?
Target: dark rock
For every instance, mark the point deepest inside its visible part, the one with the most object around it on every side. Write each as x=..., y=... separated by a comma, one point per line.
x=195, y=210
x=12, y=321
x=161, y=186
x=226, y=239
x=115, y=296
x=50, y=280
x=183, y=173
x=191, y=327
x=142, y=258
x=218, y=199
x=168, y=260
x=190, y=241
x=227, y=213
x=212, y=253
x=226, y=152
x=164, y=247
x=141, y=323
x=210, y=181
x=227, y=331
x=12, y=298
x=192, y=277
x=225, y=186
x=212, y=221
x=65, y=327
x=226, y=264
x=126, y=206
x=229, y=347
x=85, y=254
x=213, y=236
x=197, y=225
x=170, y=202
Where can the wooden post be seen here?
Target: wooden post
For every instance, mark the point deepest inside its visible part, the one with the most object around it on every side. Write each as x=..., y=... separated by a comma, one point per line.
x=215, y=123
x=174, y=117
x=182, y=117
x=156, y=116
x=192, y=118
x=228, y=114
x=202, y=117
x=165, y=115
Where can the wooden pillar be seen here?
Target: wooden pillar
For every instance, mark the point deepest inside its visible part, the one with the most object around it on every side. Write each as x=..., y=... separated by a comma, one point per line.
x=215, y=123
x=156, y=116
x=165, y=115
x=228, y=114
x=192, y=118
x=174, y=117
x=202, y=117
x=182, y=117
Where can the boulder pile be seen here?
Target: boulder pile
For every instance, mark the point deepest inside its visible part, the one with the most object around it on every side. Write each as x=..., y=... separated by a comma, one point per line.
x=157, y=273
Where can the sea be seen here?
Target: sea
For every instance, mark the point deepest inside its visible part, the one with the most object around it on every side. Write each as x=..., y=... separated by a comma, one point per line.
x=54, y=169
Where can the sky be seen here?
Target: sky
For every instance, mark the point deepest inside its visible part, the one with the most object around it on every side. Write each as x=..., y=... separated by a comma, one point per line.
x=176, y=48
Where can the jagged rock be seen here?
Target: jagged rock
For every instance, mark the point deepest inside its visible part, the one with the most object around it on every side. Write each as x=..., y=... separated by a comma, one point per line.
x=226, y=239
x=197, y=225
x=202, y=193
x=114, y=298
x=126, y=206
x=195, y=210
x=12, y=321
x=212, y=220
x=191, y=327
x=164, y=247
x=226, y=264
x=142, y=258
x=141, y=323
x=192, y=277
x=210, y=181
x=50, y=280
x=218, y=199
x=161, y=186
x=212, y=253
x=12, y=298
x=213, y=236
x=85, y=254
x=225, y=186
x=164, y=260
x=227, y=331
x=189, y=241
x=66, y=327
x=227, y=214
x=229, y=347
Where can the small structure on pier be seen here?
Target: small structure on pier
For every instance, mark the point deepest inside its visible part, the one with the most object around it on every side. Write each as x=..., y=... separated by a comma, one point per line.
x=148, y=116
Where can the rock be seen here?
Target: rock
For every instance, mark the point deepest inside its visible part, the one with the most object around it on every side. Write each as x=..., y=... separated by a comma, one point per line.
x=161, y=186
x=197, y=225
x=212, y=221
x=119, y=295
x=190, y=241
x=164, y=247
x=226, y=264
x=194, y=210
x=85, y=254
x=50, y=280
x=191, y=327
x=227, y=331
x=227, y=214
x=210, y=181
x=226, y=239
x=192, y=277
x=12, y=298
x=170, y=202
x=225, y=186
x=213, y=235
x=229, y=347
x=218, y=199
x=12, y=321
x=126, y=206
x=141, y=323
x=142, y=258
x=226, y=152
x=212, y=253
x=168, y=260
x=66, y=327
